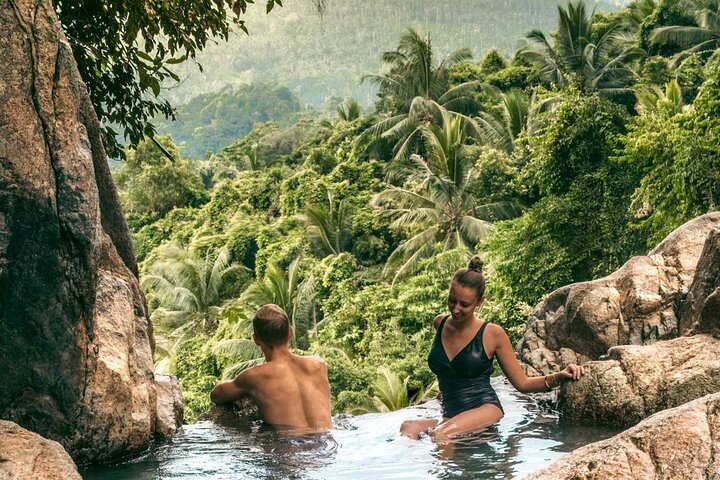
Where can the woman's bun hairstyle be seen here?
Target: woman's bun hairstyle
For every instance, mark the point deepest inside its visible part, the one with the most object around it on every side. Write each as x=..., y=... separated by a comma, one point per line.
x=472, y=276
x=475, y=263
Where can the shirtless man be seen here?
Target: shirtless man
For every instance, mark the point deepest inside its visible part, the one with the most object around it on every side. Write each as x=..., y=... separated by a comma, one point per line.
x=290, y=391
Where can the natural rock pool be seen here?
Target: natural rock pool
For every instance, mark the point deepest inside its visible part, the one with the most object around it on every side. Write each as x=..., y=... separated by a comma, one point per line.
x=363, y=447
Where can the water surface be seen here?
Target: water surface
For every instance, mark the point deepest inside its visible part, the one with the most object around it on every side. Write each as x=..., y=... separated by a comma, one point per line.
x=363, y=447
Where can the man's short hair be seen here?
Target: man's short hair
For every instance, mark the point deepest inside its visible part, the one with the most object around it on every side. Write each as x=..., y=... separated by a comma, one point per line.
x=271, y=325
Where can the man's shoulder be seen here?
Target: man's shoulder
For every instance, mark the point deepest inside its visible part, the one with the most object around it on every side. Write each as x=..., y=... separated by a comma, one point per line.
x=313, y=361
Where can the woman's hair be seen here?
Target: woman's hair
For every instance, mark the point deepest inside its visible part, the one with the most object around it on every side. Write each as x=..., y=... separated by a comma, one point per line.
x=471, y=276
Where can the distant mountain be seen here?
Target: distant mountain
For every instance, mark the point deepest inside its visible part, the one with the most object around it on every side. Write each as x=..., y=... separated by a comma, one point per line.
x=323, y=59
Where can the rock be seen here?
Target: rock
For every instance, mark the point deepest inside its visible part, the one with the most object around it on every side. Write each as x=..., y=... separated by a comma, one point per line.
x=28, y=456
x=75, y=341
x=169, y=405
x=701, y=312
x=637, y=381
x=636, y=305
x=679, y=443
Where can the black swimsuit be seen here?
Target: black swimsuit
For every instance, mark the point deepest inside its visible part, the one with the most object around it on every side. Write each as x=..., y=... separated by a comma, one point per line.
x=464, y=381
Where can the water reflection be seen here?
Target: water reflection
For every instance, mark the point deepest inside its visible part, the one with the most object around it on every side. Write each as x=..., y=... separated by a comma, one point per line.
x=368, y=446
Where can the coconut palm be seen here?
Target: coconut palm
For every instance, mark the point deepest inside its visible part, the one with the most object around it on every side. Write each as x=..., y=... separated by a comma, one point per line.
x=349, y=110
x=703, y=37
x=518, y=113
x=390, y=393
x=328, y=226
x=189, y=290
x=285, y=289
x=414, y=90
x=435, y=201
x=636, y=12
x=409, y=71
x=651, y=99
x=578, y=58
x=235, y=333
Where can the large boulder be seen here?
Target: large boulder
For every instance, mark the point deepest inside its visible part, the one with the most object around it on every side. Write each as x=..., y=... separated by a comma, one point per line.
x=169, y=405
x=637, y=381
x=75, y=341
x=679, y=443
x=636, y=305
x=28, y=456
x=701, y=312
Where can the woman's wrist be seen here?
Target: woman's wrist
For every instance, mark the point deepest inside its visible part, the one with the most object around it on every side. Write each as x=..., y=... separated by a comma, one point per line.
x=551, y=381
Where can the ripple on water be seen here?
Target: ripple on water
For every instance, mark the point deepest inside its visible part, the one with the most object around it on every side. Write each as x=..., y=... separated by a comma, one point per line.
x=367, y=446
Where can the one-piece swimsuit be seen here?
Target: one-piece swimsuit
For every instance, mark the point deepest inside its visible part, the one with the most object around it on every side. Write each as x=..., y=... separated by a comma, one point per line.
x=464, y=381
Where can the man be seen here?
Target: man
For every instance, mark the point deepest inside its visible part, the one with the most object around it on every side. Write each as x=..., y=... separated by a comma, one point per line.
x=290, y=391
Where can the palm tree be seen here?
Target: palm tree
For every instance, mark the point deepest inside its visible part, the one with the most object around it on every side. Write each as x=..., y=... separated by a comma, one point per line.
x=636, y=12
x=235, y=331
x=703, y=37
x=415, y=90
x=652, y=99
x=518, y=113
x=578, y=58
x=286, y=290
x=436, y=202
x=328, y=226
x=390, y=393
x=189, y=290
x=349, y=110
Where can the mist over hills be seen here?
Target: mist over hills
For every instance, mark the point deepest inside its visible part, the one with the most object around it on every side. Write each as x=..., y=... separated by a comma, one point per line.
x=324, y=58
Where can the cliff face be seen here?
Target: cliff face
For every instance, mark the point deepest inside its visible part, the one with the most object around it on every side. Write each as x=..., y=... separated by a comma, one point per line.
x=75, y=339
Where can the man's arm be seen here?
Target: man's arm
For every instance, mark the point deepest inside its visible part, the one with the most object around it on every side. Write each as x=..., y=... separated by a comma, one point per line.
x=230, y=391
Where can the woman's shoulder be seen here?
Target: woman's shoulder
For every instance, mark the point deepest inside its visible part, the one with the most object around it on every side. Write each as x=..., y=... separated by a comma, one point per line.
x=438, y=320
x=495, y=332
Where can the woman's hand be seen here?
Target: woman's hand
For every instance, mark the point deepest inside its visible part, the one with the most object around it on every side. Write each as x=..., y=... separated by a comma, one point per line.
x=572, y=371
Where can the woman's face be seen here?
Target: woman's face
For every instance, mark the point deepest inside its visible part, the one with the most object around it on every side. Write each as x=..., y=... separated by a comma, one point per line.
x=462, y=302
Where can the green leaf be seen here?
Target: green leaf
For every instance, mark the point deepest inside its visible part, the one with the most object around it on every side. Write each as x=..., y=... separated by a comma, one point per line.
x=154, y=85
x=177, y=60
x=144, y=56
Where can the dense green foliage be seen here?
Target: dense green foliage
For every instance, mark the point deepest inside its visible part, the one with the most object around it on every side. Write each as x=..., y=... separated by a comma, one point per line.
x=210, y=122
x=323, y=220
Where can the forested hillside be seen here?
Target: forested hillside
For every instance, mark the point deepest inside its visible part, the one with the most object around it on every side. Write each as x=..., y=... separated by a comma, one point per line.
x=320, y=57
x=556, y=166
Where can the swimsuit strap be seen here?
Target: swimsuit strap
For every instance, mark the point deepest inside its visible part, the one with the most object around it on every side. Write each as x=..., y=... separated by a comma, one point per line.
x=482, y=329
x=442, y=323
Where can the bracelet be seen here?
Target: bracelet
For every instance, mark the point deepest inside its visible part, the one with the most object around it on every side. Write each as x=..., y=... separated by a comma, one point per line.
x=547, y=385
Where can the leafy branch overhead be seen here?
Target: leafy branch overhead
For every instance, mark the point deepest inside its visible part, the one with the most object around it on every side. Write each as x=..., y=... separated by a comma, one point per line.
x=126, y=50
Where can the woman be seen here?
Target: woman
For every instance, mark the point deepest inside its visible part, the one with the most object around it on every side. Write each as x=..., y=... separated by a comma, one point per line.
x=462, y=358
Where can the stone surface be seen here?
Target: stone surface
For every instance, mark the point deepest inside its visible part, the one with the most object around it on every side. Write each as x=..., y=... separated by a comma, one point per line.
x=637, y=381
x=701, y=312
x=680, y=443
x=75, y=342
x=169, y=405
x=636, y=305
x=28, y=456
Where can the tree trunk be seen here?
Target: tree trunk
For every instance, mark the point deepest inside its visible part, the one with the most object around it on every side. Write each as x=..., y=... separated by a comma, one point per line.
x=75, y=340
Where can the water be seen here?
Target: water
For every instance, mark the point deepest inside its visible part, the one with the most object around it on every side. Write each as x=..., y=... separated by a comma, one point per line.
x=363, y=447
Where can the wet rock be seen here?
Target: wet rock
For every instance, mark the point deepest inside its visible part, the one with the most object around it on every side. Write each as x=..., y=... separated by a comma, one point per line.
x=238, y=415
x=75, y=341
x=679, y=443
x=636, y=305
x=701, y=312
x=637, y=381
x=169, y=405
x=28, y=456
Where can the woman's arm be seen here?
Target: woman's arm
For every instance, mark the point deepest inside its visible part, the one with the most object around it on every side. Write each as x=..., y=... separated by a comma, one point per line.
x=513, y=371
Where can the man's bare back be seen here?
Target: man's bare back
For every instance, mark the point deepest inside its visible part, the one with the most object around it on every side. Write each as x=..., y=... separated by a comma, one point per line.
x=290, y=391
